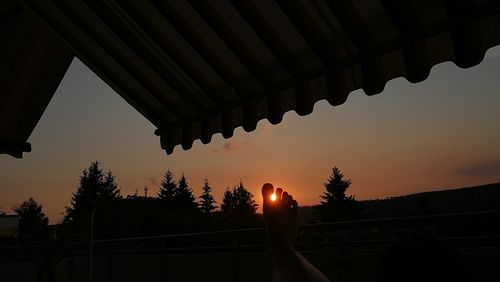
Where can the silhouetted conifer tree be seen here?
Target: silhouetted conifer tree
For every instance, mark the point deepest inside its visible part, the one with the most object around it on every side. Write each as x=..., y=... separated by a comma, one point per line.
x=207, y=202
x=110, y=190
x=335, y=204
x=184, y=197
x=32, y=221
x=95, y=188
x=228, y=202
x=168, y=189
x=336, y=186
x=245, y=204
x=238, y=206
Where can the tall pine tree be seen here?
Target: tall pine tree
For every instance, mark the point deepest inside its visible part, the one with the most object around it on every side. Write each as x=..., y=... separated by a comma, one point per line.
x=238, y=206
x=336, y=205
x=168, y=189
x=184, y=197
x=110, y=190
x=95, y=189
x=336, y=186
x=238, y=201
x=207, y=202
x=228, y=202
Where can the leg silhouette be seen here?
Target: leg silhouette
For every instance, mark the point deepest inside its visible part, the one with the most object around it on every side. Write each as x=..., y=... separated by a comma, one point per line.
x=281, y=215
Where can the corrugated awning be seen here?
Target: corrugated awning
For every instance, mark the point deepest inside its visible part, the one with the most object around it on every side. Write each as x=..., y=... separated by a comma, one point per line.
x=196, y=68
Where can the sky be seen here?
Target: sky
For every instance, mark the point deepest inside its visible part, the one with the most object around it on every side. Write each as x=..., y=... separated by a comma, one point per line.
x=438, y=134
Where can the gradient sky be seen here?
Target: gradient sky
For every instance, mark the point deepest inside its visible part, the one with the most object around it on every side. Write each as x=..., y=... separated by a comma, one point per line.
x=438, y=134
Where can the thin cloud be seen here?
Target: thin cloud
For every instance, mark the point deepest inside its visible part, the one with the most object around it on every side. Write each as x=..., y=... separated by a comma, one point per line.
x=485, y=169
x=232, y=145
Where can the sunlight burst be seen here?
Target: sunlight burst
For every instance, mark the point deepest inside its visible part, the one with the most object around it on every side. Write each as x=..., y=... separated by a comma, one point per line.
x=273, y=197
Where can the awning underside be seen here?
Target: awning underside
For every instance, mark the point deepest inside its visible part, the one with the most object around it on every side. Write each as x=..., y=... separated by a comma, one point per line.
x=196, y=68
x=32, y=63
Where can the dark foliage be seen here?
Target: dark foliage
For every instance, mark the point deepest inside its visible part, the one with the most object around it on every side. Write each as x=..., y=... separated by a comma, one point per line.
x=238, y=206
x=97, y=192
x=335, y=204
x=336, y=186
x=184, y=198
x=207, y=202
x=32, y=221
x=168, y=188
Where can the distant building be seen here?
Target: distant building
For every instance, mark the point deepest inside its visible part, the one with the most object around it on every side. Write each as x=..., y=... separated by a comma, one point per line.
x=9, y=225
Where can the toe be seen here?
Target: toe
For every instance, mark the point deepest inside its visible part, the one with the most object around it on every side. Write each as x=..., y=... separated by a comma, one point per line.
x=295, y=205
x=284, y=199
x=289, y=202
x=267, y=191
x=278, y=194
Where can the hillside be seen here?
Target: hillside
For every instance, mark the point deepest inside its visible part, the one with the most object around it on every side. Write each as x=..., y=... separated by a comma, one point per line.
x=467, y=199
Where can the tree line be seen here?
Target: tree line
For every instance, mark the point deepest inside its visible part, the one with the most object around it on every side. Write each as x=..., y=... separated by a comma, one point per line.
x=175, y=209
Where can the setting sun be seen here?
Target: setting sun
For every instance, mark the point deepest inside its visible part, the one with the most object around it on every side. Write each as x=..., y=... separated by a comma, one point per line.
x=273, y=197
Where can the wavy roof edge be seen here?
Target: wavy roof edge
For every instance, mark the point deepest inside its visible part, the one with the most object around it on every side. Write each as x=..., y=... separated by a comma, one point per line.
x=197, y=68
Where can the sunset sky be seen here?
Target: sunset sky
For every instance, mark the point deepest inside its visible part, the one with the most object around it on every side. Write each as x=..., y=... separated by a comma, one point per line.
x=438, y=134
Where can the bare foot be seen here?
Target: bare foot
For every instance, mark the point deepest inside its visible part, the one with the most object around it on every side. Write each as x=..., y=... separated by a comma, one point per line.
x=281, y=215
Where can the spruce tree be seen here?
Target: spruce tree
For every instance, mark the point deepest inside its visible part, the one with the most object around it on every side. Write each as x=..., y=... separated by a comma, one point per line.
x=207, y=202
x=228, y=204
x=336, y=205
x=184, y=197
x=168, y=189
x=95, y=189
x=110, y=189
x=239, y=201
x=336, y=186
x=245, y=204
x=239, y=207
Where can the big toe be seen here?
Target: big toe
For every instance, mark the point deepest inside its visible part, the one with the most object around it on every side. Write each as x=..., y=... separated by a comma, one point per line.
x=267, y=191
